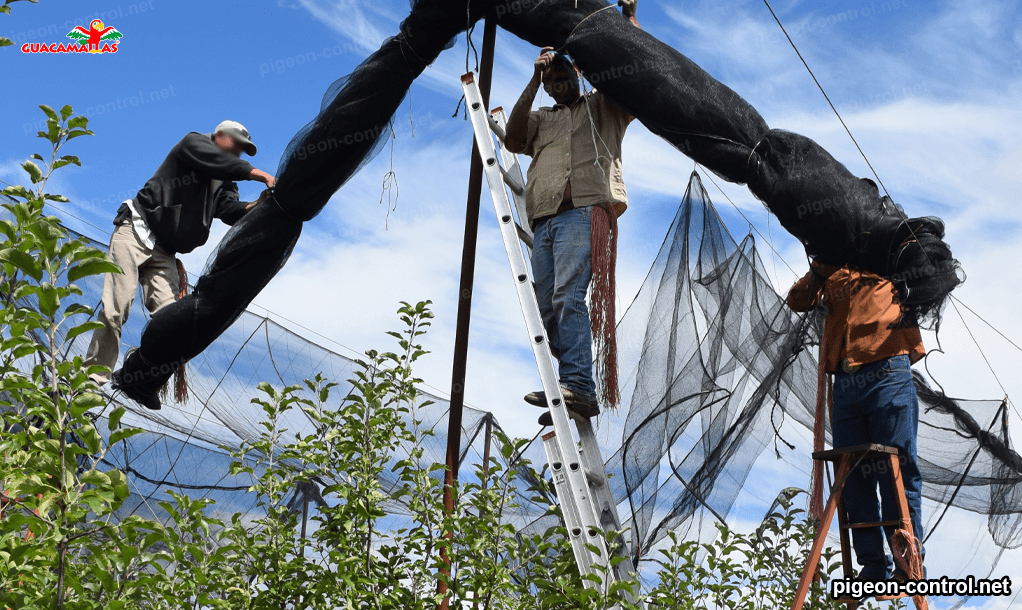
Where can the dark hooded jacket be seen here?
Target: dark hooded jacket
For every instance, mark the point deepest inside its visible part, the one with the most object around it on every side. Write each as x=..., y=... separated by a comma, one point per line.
x=193, y=185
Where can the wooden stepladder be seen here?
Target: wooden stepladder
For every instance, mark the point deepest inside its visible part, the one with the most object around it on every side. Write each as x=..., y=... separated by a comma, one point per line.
x=844, y=460
x=579, y=476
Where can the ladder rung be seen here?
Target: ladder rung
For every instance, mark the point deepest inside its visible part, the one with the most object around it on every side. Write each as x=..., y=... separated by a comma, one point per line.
x=856, y=526
x=832, y=455
x=522, y=235
x=494, y=127
x=511, y=182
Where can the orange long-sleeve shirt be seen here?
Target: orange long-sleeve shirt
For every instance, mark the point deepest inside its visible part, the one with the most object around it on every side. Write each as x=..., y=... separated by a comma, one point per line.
x=863, y=315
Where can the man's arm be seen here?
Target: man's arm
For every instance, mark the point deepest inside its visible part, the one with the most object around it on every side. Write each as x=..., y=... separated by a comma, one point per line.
x=228, y=208
x=805, y=294
x=200, y=153
x=517, y=137
x=261, y=176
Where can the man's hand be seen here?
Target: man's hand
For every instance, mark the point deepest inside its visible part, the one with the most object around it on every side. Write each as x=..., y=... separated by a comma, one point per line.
x=263, y=196
x=261, y=176
x=628, y=10
x=517, y=128
x=546, y=57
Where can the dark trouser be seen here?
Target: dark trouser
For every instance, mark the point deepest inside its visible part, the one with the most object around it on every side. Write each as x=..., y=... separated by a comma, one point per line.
x=878, y=404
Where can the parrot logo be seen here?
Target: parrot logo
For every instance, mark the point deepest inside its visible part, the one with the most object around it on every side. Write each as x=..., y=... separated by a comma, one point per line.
x=95, y=35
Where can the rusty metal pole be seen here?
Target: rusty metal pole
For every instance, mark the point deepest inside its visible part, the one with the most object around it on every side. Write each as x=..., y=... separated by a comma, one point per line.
x=468, y=261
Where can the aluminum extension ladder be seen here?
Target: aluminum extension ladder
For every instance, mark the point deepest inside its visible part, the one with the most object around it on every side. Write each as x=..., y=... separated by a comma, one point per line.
x=579, y=476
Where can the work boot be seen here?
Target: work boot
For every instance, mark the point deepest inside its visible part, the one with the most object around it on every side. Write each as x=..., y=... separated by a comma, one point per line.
x=570, y=397
x=578, y=405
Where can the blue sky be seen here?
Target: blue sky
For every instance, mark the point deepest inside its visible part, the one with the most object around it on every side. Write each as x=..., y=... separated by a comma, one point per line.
x=930, y=89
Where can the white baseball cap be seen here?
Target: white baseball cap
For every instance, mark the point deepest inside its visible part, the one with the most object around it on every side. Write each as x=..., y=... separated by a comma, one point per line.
x=237, y=131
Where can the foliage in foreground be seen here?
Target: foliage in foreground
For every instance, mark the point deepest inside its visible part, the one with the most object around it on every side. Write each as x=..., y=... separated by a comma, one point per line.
x=61, y=547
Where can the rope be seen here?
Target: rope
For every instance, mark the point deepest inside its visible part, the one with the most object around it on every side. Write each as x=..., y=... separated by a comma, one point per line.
x=603, y=239
x=880, y=182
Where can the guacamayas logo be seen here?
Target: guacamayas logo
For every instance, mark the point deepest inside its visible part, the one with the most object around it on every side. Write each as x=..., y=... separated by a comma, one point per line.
x=96, y=39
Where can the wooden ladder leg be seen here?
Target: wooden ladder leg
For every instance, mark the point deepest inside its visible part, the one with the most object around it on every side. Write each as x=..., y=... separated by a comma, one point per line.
x=899, y=488
x=846, y=547
x=821, y=537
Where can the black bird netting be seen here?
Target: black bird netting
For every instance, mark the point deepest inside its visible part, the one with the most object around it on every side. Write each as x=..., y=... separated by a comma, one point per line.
x=719, y=371
x=840, y=218
x=717, y=368
x=712, y=373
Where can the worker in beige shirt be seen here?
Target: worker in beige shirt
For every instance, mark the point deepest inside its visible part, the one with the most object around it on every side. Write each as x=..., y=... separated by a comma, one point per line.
x=574, y=193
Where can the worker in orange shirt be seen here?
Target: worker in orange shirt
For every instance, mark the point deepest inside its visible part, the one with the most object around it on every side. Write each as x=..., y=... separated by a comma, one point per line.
x=870, y=344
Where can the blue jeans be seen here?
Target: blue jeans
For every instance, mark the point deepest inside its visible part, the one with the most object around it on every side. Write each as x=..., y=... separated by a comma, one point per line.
x=878, y=404
x=562, y=269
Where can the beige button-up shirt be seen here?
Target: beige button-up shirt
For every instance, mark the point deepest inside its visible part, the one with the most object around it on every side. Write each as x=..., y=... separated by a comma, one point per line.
x=566, y=146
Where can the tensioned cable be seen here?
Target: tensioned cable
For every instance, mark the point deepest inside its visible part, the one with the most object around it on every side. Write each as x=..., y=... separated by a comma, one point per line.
x=1013, y=344
x=880, y=182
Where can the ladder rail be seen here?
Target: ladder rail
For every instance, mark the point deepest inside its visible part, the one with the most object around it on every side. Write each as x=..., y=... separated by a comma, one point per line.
x=570, y=481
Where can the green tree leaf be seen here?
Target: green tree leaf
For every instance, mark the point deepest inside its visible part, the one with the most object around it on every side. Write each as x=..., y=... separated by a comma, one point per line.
x=66, y=160
x=52, y=131
x=24, y=261
x=91, y=266
x=49, y=112
x=82, y=328
x=115, y=418
x=75, y=134
x=33, y=171
x=16, y=191
x=49, y=300
x=124, y=433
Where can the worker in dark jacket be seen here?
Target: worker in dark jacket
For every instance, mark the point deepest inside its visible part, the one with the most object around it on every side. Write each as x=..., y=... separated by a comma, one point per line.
x=171, y=214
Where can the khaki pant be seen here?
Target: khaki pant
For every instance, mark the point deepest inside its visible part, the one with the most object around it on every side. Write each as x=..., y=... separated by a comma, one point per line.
x=154, y=269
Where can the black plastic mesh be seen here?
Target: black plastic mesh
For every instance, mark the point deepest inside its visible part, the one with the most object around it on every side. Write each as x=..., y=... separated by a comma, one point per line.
x=718, y=365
